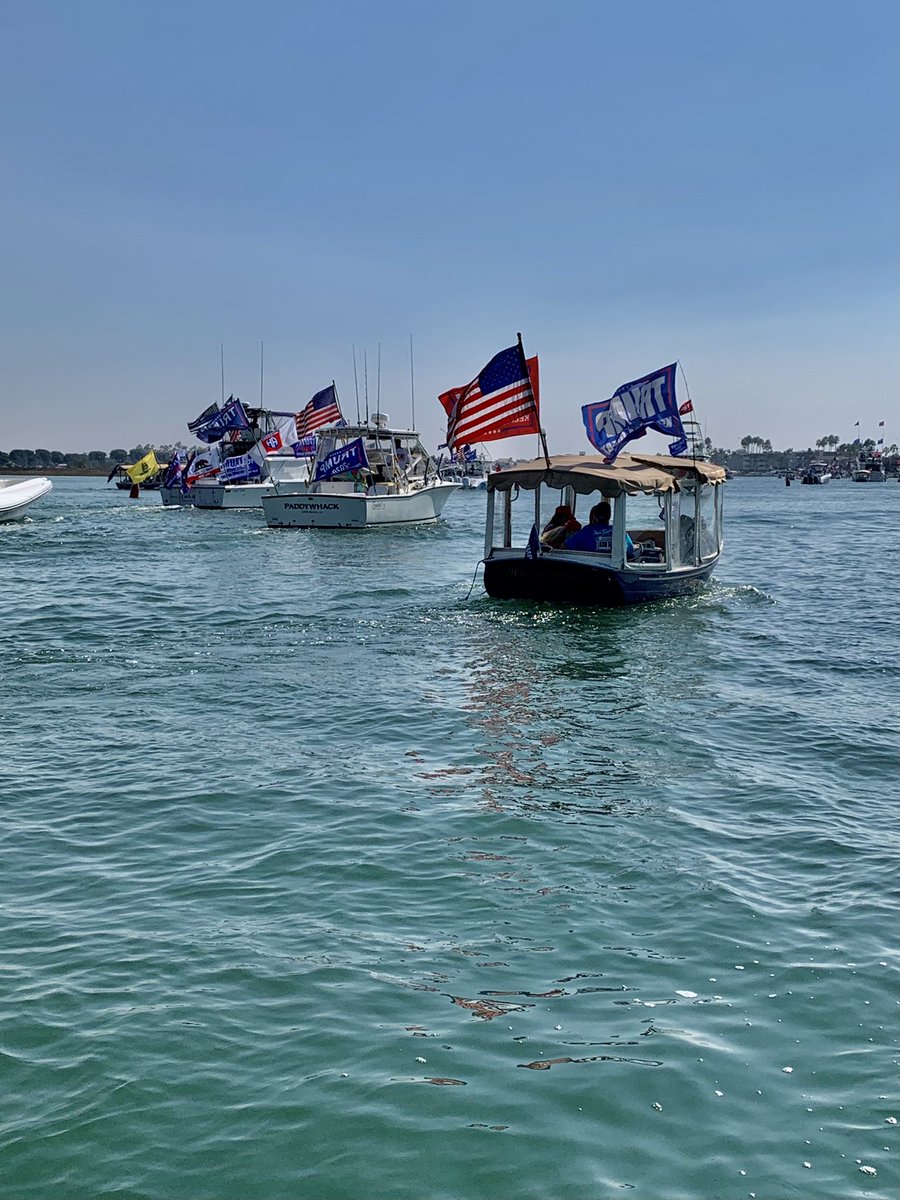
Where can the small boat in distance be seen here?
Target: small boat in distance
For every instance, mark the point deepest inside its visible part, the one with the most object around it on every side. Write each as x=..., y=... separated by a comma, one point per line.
x=816, y=472
x=869, y=470
x=669, y=507
x=17, y=495
x=470, y=470
x=363, y=475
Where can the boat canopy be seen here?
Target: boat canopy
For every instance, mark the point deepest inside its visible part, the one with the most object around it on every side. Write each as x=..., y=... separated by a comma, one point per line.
x=631, y=474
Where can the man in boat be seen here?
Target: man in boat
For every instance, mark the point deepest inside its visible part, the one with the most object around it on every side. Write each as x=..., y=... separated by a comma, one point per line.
x=596, y=536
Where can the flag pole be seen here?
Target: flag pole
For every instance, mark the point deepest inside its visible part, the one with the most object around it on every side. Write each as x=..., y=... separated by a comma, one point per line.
x=541, y=434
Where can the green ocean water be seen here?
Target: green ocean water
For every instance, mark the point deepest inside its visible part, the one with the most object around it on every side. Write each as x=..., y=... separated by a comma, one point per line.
x=322, y=879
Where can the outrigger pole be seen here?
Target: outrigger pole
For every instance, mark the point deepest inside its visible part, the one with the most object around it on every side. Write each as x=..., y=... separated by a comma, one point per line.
x=356, y=385
x=412, y=383
x=541, y=434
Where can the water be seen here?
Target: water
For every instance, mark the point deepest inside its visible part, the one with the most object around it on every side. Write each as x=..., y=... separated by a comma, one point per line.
x=322, y=880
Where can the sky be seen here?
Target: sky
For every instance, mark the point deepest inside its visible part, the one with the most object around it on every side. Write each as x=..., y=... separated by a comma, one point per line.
x=271, y=185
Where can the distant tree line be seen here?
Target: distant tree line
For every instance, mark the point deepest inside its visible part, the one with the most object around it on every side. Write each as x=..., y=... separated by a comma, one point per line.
x=766, y=458
x=40, y=460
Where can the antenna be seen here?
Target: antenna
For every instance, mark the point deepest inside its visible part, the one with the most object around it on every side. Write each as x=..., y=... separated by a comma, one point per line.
x=378, y=385
x=366, y=380
x=412, y=383
x=356, y=384
x=693, y=423
x=260, y=374
x=222, y=369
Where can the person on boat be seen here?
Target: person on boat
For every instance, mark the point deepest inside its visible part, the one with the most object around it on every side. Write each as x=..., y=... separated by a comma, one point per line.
x=597, y=534
x=560, y=526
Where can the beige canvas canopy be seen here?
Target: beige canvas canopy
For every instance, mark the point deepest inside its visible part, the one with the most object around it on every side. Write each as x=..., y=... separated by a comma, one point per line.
x=630, y=473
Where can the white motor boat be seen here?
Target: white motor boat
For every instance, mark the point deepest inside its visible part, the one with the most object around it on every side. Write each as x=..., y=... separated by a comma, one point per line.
x=816, y=472
x=219, y=493
x=17, y=495
x=363, y=475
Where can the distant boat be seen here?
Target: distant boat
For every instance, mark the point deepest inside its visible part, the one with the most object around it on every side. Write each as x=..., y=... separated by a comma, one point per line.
x=363, y=475
x=283, y=469
x=673, y=555
x=240, y=472
x=17, y=495
x=816, y=472
x=123, y=481
x=470, y=473
x=870, y=470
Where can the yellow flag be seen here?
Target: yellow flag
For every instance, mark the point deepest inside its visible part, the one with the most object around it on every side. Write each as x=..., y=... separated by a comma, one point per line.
x=144, y=468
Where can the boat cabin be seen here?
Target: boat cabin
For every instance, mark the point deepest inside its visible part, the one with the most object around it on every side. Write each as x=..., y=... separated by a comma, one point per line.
x=395, y=460
x=670, y=508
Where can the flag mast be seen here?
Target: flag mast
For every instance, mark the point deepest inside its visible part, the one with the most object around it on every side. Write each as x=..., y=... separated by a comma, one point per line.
x=542, y=436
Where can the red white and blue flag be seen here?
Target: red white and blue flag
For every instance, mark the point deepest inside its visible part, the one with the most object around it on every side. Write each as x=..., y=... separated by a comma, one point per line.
x=322, y=410
x=501, y=402
x=635, y=407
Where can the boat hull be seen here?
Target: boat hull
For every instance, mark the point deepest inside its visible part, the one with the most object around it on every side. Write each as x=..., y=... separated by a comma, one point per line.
x=231, y=495
x=18, y=495
x=326, y=510
x=566, y=581
x=173, y=497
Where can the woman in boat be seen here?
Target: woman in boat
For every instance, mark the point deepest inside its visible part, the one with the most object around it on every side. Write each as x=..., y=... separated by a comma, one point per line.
x=597, y=535
x=560, y=526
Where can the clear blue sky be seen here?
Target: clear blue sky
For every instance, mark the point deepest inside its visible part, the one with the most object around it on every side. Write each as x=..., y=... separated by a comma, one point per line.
x=627, y=183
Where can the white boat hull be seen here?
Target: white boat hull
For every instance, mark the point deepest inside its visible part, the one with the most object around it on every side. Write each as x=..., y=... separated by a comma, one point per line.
x=328, y=510
x=173, y=497
x=232, y=495
x=18, y=495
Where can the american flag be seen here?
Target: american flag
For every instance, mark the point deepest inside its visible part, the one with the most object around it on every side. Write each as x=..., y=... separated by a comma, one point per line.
x=501, y=402
x=323, y=409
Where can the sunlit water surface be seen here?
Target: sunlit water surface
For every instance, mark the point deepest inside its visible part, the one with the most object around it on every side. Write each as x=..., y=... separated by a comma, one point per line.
x=324, y=879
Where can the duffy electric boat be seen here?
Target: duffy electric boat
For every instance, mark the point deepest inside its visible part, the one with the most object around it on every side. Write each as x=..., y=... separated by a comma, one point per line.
x=671, y=509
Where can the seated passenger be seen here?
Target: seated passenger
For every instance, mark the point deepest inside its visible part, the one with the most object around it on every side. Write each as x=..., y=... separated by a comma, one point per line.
x=559, y=527
x=597, y=535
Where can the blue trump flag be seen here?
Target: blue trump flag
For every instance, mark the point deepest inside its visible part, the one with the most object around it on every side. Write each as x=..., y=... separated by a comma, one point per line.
x=645, y=403
x=211, y=428
x=351, y=457
x=239, y=468
x=533, y=549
